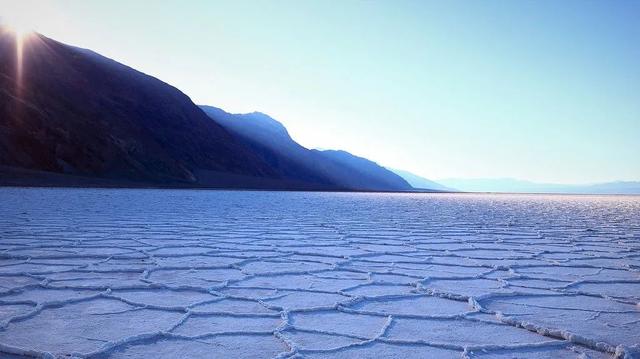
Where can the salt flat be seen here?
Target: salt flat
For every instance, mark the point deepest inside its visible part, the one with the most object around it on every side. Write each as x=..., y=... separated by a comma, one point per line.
x=190, y=274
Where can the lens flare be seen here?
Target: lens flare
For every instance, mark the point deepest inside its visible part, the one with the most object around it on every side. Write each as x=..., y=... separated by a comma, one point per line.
x=19, y=58
x=19, y=25
x=21, y=31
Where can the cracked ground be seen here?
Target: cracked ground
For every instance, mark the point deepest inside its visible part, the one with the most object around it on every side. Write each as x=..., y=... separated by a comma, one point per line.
x=188, y=274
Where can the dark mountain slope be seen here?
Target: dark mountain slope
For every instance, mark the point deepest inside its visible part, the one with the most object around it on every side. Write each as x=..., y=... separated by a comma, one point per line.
x=71, y=111
x=69, y=116
x=271, y=139
x=361, y=171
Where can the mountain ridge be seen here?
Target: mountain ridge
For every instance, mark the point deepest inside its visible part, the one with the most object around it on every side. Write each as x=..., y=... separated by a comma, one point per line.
x=71, y=114
x=511, y=185
x=75, y=112
x=269, y=136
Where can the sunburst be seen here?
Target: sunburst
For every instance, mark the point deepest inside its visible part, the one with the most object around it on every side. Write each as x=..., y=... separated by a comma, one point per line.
x=20, y=26
x=22, y=30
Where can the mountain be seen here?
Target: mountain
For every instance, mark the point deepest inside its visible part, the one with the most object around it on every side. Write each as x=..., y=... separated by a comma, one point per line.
x=271, y=139
x=256, y=125
x=65, y=110
x=617, y=187
x=420, y=182
x=272, y=143
x=521, y=186
x=360, y=172
x=71, y=117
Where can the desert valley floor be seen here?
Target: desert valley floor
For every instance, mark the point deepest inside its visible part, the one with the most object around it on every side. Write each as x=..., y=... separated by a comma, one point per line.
x=221, y=274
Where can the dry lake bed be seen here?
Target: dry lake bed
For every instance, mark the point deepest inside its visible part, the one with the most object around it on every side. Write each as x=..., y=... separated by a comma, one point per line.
x=240, y=274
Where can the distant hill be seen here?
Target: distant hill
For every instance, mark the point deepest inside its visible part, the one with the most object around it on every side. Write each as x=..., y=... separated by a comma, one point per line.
x=521, y=186
x=420, y=182
x=270, y=138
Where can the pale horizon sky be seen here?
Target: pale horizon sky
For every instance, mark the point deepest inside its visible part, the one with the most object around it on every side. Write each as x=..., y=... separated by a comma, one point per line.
x=545, y=91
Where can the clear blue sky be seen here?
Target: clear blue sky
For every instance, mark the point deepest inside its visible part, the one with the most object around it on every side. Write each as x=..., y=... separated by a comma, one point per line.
x=540, y=90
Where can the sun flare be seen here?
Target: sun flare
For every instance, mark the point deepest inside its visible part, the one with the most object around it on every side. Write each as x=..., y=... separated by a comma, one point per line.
x=21, y=29
x=20, y=18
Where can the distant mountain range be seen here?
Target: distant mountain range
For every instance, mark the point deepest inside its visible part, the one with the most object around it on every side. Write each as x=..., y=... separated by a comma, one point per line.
x=71, y=117
x=521, y=186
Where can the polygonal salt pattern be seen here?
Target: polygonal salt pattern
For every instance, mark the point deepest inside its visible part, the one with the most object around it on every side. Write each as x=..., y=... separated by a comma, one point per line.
x=171, y=273
x=228, y=346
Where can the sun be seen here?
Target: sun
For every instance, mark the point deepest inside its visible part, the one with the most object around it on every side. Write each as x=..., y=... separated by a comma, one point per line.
x=19, y=23
x=28, y=17
x=21, y=30
x=21, y=27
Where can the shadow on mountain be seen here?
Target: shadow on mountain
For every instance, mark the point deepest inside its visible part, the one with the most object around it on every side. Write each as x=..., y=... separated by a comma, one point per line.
x=271, y=140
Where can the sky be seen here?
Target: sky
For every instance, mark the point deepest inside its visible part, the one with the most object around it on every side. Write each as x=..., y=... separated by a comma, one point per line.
x=547, y=91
